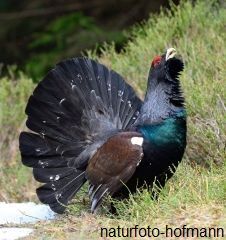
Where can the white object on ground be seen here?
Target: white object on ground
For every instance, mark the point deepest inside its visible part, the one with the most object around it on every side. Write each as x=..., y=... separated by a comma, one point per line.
x=14, y=233
x=29, y=212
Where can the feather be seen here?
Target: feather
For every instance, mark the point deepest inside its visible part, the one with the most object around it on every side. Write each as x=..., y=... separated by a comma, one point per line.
x=72, y=112
x=112, y=166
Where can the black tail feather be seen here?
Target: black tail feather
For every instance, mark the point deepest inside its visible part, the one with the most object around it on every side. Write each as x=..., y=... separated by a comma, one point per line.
x=72, y=112
x=57, y=193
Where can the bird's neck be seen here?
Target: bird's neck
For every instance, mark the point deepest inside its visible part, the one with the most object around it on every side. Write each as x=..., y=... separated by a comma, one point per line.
x=162, y=101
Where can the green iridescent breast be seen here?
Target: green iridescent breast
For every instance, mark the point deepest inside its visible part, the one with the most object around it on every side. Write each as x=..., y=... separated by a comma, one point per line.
x=170, y=131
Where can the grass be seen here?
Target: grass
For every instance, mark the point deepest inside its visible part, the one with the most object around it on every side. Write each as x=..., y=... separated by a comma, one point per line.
x=196, y=195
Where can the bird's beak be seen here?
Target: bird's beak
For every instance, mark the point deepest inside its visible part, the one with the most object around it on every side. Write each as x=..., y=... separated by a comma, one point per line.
x=170, y=53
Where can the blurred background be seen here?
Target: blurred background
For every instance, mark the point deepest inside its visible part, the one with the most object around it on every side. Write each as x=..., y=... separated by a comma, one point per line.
x=36, y=34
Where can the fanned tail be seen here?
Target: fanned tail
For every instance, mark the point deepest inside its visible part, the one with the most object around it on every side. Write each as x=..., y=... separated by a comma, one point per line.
x=72, y=112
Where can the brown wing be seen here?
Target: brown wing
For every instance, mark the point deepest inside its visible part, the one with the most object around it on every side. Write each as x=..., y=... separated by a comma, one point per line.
x=113, y=165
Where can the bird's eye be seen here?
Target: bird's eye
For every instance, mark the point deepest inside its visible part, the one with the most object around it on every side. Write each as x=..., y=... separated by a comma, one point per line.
x=156, y=61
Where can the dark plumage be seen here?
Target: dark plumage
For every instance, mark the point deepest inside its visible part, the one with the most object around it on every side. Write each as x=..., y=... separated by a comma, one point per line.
x=88, y=124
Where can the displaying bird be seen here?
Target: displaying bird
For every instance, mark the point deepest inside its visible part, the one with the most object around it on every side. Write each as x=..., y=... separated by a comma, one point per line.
x=88, y=125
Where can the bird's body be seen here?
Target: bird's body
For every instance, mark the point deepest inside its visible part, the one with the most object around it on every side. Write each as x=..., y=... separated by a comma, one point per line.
x=91, y=126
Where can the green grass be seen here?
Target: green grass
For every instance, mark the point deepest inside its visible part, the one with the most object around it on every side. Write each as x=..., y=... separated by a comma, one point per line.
x=196, y=195
x=15, y=179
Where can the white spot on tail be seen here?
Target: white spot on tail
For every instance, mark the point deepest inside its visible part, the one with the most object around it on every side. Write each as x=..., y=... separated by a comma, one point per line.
x=62, y=100
x=58, y=196
x=129, y=103
x=109, y=87
x=57, y=177
x=53, y=187
x=137, y=141
x=120, y=93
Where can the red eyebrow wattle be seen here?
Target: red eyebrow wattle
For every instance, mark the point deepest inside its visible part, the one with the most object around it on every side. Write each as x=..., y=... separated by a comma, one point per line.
x=156, y=61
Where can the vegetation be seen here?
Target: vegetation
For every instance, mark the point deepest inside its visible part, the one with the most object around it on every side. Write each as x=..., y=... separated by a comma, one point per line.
x=38, y=33
x=196, y=195
x=66, y=35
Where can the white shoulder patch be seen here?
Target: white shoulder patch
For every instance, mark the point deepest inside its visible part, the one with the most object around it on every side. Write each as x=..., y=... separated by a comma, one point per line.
x=137, y=141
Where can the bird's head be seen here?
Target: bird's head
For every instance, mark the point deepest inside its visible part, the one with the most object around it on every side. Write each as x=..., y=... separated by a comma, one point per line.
x=164, y=97
x=166, y=66
x=164, y=75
